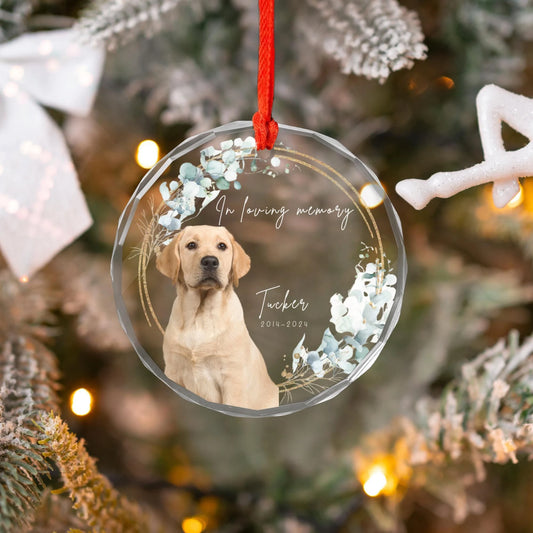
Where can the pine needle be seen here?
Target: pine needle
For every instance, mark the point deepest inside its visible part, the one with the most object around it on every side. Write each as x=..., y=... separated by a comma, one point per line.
x=94, y=498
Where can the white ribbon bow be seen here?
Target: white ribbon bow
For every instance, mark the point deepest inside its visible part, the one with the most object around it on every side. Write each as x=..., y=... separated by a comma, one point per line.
x=42, y=208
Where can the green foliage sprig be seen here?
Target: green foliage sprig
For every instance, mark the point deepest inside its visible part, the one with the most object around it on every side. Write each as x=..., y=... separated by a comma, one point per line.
x=28, y=377
x=95, y=500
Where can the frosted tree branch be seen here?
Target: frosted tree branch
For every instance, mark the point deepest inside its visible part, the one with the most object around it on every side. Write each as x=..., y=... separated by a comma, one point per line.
x=483, y=416
x=95, y=500
x=371, y=39
x=13, y=17
x=28, y=383
x=117, y=21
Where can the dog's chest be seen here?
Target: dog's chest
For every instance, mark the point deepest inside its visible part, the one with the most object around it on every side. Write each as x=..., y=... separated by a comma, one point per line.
x=202, y=376
x=199, y=331
x=200, y=363
x=198, y=340
x=201, y=345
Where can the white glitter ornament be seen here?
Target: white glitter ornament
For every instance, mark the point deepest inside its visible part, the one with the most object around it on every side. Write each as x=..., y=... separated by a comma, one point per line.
x=494, y=106
x=42, y=208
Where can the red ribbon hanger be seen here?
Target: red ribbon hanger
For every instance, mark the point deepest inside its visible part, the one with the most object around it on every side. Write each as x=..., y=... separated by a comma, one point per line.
x=265, y=127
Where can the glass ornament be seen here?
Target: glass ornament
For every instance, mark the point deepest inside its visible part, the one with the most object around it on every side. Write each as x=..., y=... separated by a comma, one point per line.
x=259, y=283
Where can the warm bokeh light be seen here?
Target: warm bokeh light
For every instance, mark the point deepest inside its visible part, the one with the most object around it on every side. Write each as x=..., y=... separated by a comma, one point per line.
x=376, y=482
x=24, y=279
x=81, y=402
x=417, y=86
x=193, y=524
x=517, y=199
x=371, y=195
x=147, y=153
x=384, y=474
x=446, y=82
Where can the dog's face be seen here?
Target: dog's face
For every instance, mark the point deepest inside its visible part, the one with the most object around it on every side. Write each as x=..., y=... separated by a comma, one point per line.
x=204, y=257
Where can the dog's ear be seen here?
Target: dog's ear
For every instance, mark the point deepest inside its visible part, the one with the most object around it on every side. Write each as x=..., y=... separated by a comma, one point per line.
x=168, y=260
x=241, y=262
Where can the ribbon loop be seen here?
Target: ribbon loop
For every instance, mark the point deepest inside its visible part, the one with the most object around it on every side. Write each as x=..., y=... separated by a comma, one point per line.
x=266, y=131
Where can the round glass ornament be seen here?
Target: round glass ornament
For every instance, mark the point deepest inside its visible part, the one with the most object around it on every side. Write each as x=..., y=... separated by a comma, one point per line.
x=258, y=283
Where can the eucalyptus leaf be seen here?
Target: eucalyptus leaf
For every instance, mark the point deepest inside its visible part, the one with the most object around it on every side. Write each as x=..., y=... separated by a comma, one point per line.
x=163, y=189
x=226, y=145
x=222, y=184
x=215, y=168
x=188, y=172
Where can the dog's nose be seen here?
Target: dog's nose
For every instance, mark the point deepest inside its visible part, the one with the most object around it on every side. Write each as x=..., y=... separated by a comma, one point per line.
x=209, y=261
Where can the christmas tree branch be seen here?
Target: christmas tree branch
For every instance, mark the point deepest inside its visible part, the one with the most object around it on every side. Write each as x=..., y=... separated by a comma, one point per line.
x=28, y=377
x=483, y=416
x=370, y=39
x=488, y=37
x=95, y=500
x=116, y=22
x=14, y=15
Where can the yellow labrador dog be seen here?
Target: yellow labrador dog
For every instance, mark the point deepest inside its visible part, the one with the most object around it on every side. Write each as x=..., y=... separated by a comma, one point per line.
x=207, y=347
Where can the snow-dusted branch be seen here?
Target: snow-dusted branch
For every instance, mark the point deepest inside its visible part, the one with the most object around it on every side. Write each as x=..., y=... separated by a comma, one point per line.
x=116, y=21
x=370, y=39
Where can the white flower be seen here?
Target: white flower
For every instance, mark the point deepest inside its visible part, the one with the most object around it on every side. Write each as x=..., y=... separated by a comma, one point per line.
x=248, y=145
x=170, y=221
x=340, y=359
x=390, y=280
x=347, y=315
x=191, y=189
x=298, y=354
x=364, y=312
x=317, y=362
x=371, y=268
x=329, y=343
x=230, y=175
x=226, y=145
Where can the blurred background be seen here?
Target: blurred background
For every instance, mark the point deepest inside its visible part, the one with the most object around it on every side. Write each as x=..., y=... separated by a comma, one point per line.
x=440, y=457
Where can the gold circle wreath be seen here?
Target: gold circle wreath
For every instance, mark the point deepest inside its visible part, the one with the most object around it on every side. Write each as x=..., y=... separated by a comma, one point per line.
x=155, y=235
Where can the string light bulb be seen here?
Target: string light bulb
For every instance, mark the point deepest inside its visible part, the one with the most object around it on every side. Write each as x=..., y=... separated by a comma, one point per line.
x=371, y=195
x=376, y=482
x=147, y=153
x=446, y=82
x=193, y=524
x=517, y=199
x=81, y=401
x=24, y=279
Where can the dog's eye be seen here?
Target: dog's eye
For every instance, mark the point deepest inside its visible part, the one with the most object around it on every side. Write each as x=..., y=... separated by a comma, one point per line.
x=221, y=246
x=191, y=245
